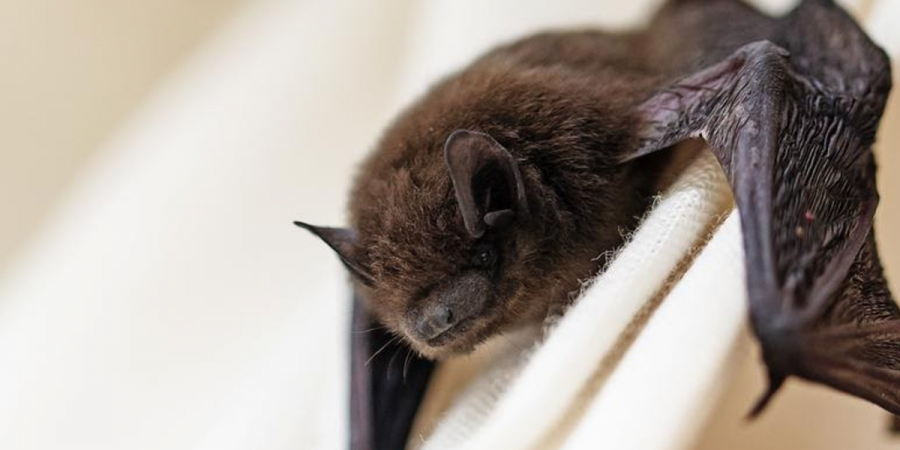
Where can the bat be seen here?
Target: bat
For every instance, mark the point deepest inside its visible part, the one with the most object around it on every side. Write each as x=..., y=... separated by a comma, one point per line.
x=489, y=198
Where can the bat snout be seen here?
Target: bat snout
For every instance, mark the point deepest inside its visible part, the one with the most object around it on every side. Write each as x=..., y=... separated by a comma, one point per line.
x=446, y=319
x=434, y=321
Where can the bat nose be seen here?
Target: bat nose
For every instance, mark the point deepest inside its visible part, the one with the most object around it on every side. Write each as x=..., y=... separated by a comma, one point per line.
x=435, y=321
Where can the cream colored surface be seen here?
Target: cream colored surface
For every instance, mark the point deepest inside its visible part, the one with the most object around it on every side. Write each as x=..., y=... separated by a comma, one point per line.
x=72, y=70
x=673, y=373
x=165, y=301
x=169, y=303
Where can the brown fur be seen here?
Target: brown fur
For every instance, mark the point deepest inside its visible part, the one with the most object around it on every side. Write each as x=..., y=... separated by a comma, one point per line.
x=558, y=103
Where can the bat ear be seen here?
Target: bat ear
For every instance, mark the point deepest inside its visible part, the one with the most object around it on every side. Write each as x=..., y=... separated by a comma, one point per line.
x=343, y=242
x=486, y=180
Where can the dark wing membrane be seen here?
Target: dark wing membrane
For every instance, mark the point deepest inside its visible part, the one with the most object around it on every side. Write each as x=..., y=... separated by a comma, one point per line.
x=860, y=360
x=855, y=345
x=792, y=124
x=388, y=381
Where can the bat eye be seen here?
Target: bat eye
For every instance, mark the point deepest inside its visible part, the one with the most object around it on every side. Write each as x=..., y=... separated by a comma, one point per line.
x=484, y=257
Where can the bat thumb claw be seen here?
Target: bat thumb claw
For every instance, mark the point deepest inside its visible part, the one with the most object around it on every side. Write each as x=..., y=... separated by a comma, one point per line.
x=775, y=382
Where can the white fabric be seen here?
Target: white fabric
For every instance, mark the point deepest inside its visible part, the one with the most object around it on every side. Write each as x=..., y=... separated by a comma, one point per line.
x=677, y=367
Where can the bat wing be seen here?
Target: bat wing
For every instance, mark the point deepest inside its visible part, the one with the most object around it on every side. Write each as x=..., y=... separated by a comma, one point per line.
x=792, y=120
x=855, y=345
x=387, y=384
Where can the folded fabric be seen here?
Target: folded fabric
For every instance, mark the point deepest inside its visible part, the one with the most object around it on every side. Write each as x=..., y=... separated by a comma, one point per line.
x=560, y=391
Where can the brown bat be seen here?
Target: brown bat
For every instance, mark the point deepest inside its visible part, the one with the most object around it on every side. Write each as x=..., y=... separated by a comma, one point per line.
x=488, y=200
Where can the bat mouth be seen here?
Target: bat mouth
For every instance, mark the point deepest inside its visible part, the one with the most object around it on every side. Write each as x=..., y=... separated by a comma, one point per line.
x=449, y=335
x=460, y=339
x=443, y=328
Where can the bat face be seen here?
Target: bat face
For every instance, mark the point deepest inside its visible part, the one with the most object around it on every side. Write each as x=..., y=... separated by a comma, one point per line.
x=441, y=251
x=449, y=306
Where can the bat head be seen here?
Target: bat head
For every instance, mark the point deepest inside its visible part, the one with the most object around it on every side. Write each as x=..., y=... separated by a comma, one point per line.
x=484, y=204
x=436, y=258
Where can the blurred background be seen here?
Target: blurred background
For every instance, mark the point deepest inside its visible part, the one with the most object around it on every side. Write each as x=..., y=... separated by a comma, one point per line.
x=73, y=72
x=153, y=293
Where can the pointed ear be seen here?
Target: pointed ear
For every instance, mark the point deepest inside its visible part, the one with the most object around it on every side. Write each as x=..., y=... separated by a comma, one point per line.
x=343, y=242
x=486, y=180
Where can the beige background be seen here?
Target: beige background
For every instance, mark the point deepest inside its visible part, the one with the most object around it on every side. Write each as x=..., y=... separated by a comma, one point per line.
x=71, y=72
x=75, y=72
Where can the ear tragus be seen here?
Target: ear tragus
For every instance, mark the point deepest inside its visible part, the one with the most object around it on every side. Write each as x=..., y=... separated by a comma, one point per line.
x=486, y=180
x=343, y=242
